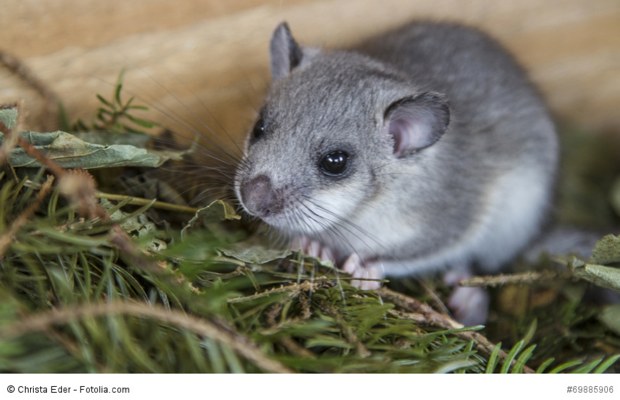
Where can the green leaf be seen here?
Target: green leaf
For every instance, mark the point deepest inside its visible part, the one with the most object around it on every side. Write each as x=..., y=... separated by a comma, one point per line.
x=523, y=359
x=566, y=366
x=141, y=122
x=104, y=101
x=117, y=91
x=128, y=104
x=110, y=138
x=493, y=358
x=72, y=239
x=255, y=254
x=454, y=366
x=216, y=211
x=137, y=107
x=101, y=112
x=531, y=330
x=69, y=151
x=605, y=365
x=8, y=116
x=600, y=275
x=511, y=356
x=589, y=367
x=610, y=317
x=606, y=251
x=544, y=365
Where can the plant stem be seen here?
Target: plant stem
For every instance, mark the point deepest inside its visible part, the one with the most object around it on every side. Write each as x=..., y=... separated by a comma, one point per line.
x=139, y=201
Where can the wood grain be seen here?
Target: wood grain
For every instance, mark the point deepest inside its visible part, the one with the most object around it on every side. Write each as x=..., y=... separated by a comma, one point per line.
x=201, y=65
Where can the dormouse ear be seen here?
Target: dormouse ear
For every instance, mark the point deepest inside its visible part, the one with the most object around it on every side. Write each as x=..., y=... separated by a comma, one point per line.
x=417, y=122
x=285, y=52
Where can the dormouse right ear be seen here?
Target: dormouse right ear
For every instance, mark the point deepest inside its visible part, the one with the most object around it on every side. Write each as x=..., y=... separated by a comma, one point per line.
x=417, y=122
x=285, y=52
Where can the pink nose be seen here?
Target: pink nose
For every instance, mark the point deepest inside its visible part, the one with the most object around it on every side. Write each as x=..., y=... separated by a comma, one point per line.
x=259, y=197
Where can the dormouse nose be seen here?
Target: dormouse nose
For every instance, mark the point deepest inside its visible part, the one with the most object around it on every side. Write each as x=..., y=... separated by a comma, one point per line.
x=259, y=197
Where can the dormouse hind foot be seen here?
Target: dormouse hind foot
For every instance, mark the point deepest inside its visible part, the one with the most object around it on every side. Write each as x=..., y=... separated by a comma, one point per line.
x=470, y=305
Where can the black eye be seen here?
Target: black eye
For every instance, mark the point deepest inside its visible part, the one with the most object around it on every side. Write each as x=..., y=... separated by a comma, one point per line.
x=259, y=129
x=334, y=163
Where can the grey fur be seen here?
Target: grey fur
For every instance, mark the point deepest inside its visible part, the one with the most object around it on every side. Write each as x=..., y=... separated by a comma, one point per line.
x=285, y=52
x=436, y=208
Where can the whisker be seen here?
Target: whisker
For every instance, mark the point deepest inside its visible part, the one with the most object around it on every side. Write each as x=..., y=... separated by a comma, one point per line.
x=204, y=124
x=197, y=133
x=199, y=180
x=353, y=229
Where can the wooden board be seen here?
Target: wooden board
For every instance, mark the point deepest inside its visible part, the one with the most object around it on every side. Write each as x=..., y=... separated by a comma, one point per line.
x=201, y=65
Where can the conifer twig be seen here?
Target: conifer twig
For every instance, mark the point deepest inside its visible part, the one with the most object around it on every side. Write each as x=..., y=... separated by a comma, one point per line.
x=293, y=290
x=434, y=318
x=522, y=278
x=199, y=326
x=286, y=341
x=347, y=331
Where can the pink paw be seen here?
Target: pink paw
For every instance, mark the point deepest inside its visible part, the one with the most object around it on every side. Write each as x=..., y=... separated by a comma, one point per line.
x=314, y=249
x=366, y=276
x=470, y=305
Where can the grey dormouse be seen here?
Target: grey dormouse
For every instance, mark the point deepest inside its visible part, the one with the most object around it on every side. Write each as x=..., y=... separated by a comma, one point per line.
x=425, y=149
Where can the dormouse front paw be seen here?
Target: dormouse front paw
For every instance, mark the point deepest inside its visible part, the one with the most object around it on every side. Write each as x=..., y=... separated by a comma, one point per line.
x=367, y=276
x=313, y=248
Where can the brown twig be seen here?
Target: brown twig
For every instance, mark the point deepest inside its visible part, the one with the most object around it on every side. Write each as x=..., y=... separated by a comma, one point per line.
x=77, y=185
x=525, y=278
x=80, y=188
x=40, y=157
x=292, y=290
x=422, y=313
x=138, y=201
x=8, y=236
x=435, y=300
x=431, y=316
x=199, y=326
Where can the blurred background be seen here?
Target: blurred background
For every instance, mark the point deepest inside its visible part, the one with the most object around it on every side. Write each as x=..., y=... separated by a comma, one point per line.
x=203, y=64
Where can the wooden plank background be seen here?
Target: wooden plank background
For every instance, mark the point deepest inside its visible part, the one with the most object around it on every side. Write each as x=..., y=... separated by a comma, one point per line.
x=202, y=64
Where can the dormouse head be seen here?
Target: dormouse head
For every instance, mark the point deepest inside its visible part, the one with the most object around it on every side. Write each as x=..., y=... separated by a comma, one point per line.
x=332, y=123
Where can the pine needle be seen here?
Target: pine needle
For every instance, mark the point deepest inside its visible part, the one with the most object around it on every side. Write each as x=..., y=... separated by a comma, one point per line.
x=7, y=237
x=200, y=326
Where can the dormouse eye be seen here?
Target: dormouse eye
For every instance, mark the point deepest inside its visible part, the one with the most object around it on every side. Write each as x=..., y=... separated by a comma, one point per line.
x=334, y=163
x=259, y=129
